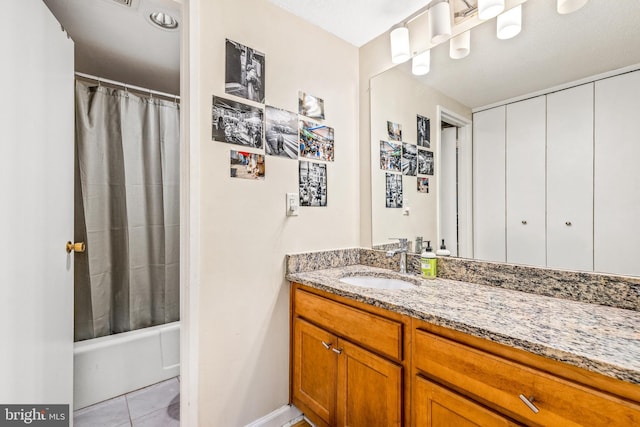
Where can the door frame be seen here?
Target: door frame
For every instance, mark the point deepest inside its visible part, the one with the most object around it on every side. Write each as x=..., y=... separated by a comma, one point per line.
x=465, y=183
x=189, y=212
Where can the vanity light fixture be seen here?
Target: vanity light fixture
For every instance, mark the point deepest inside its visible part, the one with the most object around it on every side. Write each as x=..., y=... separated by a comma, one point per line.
x=569, y=6
x=400, y=49
x=460, y=45
x=509, y=23
x=440, y=22
x=164, y=20
x=487, y=9
x=421, y=64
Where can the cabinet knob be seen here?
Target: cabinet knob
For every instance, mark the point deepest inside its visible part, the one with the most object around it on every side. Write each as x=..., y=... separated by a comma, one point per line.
x=529, y=403
x=568, y=223
x=337, y=350
x=524, y=222
x=327, y=346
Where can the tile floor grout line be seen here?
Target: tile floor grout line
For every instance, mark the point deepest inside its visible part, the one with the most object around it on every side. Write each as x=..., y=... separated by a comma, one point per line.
x=128, y=410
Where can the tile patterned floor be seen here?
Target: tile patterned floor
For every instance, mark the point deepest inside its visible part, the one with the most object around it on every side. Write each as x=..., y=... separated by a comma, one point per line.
x=155, y=406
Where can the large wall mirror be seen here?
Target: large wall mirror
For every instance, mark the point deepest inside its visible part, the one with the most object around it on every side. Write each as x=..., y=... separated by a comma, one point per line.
x=423, y=186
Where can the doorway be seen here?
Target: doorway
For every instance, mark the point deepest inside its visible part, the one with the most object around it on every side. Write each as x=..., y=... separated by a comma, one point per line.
x=454, y=183
x=98, y=55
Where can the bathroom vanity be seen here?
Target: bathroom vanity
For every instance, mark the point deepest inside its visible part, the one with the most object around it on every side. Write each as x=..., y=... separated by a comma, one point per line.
x=450, y=352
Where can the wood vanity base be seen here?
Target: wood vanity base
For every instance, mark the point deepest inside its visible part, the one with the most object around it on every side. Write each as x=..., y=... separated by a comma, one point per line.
x=354, y=364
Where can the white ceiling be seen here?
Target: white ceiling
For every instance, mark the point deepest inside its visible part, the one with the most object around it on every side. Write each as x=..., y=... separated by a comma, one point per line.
x=355, y=21
x=119, y=43
x=359, y=21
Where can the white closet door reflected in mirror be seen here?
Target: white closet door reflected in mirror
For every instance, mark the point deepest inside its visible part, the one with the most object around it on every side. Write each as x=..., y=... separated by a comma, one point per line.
x=567, y=162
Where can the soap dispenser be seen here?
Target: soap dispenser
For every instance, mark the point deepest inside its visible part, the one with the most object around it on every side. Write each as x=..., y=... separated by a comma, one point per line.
x=428, y=262
x=443, y=251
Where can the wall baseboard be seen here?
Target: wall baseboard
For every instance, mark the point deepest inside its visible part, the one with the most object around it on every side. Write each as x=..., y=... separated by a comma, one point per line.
x=284, y=416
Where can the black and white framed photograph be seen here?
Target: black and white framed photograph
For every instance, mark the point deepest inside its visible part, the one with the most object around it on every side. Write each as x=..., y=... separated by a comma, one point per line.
x=409, y=159
x=424, y=131
x=247, y=165
x=394, y=190
x=316, y=141
x=281, y=132
x=395, y=131
x=422, y=162
x=236, y=123
x=426, y=168
x=310, y=106
x=244, y=72
x=390, y=156
x=423, y=185
x=312, y=183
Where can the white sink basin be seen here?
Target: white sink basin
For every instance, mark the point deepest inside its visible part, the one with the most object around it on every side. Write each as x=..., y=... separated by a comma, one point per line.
x=377, y=282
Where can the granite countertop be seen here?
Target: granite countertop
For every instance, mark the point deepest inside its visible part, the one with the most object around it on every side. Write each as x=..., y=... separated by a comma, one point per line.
x=594, y=337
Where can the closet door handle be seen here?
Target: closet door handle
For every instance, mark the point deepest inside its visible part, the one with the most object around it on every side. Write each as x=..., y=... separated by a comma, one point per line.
x=327, y=346
x=529, y=403
x=337, y=350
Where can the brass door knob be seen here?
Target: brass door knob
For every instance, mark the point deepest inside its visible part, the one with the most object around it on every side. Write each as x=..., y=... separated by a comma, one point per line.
x=76, y=247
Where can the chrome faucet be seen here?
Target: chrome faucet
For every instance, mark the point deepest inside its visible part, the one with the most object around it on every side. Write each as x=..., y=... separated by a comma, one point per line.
x=404, y=248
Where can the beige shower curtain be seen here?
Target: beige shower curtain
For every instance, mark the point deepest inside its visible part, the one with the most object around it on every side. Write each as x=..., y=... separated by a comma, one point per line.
x=127, y=211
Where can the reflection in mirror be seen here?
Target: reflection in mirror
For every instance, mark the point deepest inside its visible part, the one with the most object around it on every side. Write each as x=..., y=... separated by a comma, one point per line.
x=410, y=209
x=552, y=52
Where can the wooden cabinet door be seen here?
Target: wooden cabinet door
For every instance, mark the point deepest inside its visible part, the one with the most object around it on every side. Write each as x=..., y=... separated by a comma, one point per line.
x=489, y=185
x=525, y=178
x=369, y=389
x=617, y=175
x=570, y=178
x=436, y=406
x=315, y=369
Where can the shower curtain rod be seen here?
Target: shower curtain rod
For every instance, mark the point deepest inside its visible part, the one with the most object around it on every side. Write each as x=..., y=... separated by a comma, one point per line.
x=127, y=86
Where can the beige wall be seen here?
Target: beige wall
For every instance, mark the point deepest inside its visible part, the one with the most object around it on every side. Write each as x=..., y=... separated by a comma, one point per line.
x=397, y=96
x=244, y=233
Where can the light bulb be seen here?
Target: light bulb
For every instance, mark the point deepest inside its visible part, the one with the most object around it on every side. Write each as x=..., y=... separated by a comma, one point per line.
x=400, y=49
x=421, y=64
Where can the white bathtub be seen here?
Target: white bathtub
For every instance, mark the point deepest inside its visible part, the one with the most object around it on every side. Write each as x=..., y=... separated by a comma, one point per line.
x=110, y=366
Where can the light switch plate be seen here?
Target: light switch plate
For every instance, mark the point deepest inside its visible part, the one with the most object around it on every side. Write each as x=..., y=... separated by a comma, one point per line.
x=293, y=204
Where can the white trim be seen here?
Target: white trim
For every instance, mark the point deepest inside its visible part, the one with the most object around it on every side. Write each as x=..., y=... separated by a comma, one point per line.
x=189, y=213
x=285, y=415
x=465, y=183
x=563, y=86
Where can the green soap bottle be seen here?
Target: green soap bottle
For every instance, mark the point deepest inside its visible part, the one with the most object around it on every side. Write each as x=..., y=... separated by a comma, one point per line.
x=428, y=262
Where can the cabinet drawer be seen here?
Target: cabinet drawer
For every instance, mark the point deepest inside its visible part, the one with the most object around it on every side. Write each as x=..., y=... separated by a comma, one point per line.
x=438, y=406
x=372, y=331
x=498, y=383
